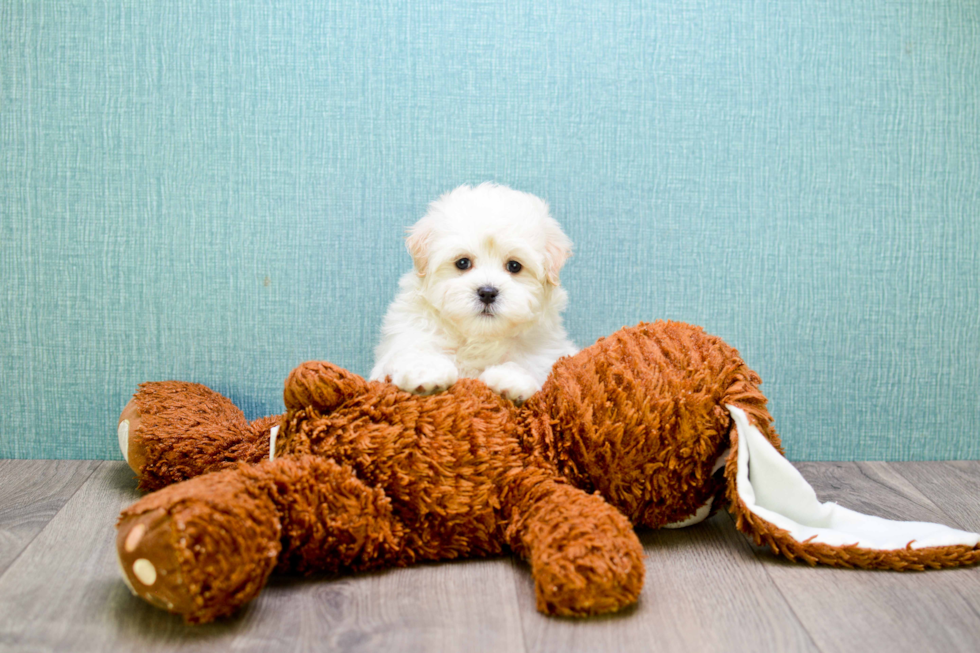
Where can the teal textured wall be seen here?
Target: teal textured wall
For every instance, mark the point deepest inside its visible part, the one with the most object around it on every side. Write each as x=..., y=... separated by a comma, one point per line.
x=216, y=191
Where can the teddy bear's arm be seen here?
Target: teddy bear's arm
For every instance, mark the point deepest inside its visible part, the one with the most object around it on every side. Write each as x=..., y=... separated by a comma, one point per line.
x=173, y=430
x=584, y=555
x=322, y=386
x=204, y=547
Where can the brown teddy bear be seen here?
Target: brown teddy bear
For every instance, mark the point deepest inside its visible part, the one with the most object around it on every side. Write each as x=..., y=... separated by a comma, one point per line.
x=651, y=426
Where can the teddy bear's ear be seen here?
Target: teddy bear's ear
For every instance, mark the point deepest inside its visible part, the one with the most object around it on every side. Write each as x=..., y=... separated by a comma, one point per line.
x=323, y=386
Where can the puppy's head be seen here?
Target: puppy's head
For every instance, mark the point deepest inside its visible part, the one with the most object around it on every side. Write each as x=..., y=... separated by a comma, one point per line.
x=488, y=258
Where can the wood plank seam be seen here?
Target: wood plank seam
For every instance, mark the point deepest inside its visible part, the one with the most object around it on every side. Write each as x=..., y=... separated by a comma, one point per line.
x=938, y=592
x=747, y=546
x=926, y=491
x=514, y=566
x=27, y=544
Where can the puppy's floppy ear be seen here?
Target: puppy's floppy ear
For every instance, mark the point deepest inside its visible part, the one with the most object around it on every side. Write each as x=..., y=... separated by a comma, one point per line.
x=557, y=249
x=418, y=241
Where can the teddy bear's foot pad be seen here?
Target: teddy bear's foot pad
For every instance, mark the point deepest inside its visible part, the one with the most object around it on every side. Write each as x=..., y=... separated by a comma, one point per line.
x=131, y=446
x=148, y=561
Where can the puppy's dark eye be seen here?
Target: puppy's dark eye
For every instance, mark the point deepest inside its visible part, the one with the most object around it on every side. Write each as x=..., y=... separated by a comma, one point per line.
x=514, y=267
x=463, y=264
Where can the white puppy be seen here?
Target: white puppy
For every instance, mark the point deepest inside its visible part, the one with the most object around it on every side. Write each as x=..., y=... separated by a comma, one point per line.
x=484, y=299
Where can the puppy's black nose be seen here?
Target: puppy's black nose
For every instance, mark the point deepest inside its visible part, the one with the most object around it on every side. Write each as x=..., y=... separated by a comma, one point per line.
x=487, y=294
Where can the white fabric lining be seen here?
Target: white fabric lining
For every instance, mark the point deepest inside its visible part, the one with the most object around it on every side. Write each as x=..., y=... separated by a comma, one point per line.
x=273, y=434
x=773, y=489
x=702, y=513
x=699, y=516
x=122, y=432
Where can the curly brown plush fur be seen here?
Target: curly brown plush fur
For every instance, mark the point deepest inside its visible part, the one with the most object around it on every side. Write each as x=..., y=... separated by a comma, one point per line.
x=626, y=432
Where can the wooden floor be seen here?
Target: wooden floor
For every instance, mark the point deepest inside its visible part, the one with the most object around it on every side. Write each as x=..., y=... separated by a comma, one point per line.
x=707, y=588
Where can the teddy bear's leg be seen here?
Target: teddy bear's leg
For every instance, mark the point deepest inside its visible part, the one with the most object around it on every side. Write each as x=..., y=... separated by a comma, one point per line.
x=205, y=547
x=584, y=555
x=202, y=547
x=171, y=431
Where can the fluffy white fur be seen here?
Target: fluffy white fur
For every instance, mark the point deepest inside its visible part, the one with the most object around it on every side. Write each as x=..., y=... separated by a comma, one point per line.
x=438, y=329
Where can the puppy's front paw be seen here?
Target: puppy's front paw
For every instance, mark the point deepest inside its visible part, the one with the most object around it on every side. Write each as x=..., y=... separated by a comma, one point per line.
x=423, y=374
x=510, y=381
